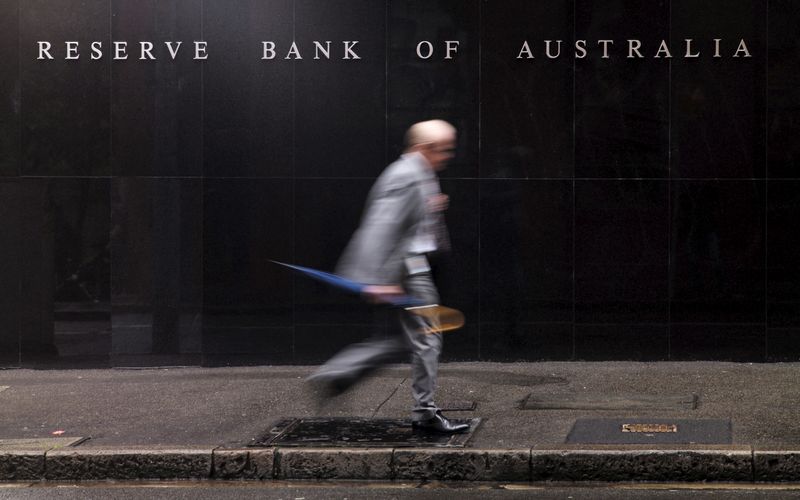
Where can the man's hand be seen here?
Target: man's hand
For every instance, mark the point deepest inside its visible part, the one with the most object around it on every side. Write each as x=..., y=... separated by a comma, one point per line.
x=381, y=294
x=438, y=203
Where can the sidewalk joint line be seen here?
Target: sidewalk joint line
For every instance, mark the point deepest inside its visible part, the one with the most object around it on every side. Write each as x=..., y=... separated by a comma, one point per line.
x=388, y=398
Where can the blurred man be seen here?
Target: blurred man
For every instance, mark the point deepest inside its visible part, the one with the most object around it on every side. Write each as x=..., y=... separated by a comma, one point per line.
x=403, y=223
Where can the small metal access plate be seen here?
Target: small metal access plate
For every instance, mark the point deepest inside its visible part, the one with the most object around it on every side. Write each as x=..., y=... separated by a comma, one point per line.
x=649, y=428
x=625, y=402
x=650, y=431
x=458, y=406
x=360, y=432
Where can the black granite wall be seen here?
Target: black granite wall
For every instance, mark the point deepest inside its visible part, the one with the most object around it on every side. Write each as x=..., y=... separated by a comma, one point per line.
x=601, y=208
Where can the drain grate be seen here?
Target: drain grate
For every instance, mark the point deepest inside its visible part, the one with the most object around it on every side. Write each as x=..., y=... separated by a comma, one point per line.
x=650, y=431
x=359, y=432
x=625, y=402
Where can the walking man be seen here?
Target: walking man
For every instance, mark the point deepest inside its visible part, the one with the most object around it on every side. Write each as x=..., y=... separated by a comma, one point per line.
x=402, y=224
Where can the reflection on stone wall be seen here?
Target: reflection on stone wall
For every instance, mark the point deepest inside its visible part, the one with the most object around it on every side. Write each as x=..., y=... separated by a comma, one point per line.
x=601, y=208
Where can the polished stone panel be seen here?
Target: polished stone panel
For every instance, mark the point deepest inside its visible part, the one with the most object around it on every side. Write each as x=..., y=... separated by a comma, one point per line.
x=621, y=102
x=10, y=338
x=327, y=211
x=10, y=268
x=718, y=342
x=348, y=139
x=65, y=293
x=224, y=345
x=248, y=102
x=621, y=251
x=156, y=114
x=527, y=105
x=10, y=249
x=456, y=273
x=37, y=275
x=315, y=344
x=9, y=88
x=435, y=87
x=621, y=342
x=157, y=261
x=66, y=129
x=783, y=73
x=783, y=265
x=717, y=252
x=462, y=344
x=526, y=251
x=247, y=223
x=783, y=344
x=718, y=104
x=526, y=341
x=600, y=208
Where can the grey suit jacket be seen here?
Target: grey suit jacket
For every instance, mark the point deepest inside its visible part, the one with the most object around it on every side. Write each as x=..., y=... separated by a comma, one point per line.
x=395, y=208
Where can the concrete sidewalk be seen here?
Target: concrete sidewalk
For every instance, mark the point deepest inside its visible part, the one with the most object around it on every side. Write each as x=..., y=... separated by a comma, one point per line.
x=195, y=423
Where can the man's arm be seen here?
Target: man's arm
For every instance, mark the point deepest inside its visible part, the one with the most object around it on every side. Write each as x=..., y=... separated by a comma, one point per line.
x=374, y=253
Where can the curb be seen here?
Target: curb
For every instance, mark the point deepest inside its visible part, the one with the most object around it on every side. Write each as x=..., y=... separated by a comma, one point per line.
x=728, y=464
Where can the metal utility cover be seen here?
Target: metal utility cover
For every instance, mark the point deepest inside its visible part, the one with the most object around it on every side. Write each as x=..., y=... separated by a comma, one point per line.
x=650, y=431
x=360, y=432
x=458, y=406
x=624, y=402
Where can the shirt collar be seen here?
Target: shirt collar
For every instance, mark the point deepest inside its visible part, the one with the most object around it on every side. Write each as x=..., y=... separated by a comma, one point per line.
x=419, y=158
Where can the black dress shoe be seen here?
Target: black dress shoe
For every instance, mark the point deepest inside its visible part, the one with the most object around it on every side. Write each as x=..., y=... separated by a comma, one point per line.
x=440, y=423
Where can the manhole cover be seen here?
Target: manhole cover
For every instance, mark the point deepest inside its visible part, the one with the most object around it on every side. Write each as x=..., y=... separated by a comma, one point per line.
x=626, y=402
x=650, y=431
x=359, y=432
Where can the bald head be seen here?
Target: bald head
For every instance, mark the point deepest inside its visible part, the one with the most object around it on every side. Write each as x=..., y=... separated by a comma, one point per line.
x=429, y=131
x=434, y=139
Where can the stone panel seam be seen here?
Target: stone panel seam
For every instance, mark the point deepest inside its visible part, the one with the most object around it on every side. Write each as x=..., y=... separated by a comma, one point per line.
x=392, y=472
x=276, y=463
x=213, y=472
x=44, y=464
x=249, y=465
x=273, y=473
x=530, y=464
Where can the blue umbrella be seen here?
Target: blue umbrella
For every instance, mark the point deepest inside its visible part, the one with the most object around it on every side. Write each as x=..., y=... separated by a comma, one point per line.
x=349, y=285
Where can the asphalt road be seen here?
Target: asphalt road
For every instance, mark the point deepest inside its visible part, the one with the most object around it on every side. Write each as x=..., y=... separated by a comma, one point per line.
x=371, y=491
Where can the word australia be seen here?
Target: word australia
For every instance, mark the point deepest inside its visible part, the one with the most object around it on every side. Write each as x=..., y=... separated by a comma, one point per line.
x=634, y=49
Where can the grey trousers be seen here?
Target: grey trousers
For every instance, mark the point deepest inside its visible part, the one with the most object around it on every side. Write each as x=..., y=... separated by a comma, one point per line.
x=357, y=360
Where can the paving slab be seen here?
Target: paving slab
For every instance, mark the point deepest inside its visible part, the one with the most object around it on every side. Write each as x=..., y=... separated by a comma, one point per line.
x=224, y=409
x=39, y=444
